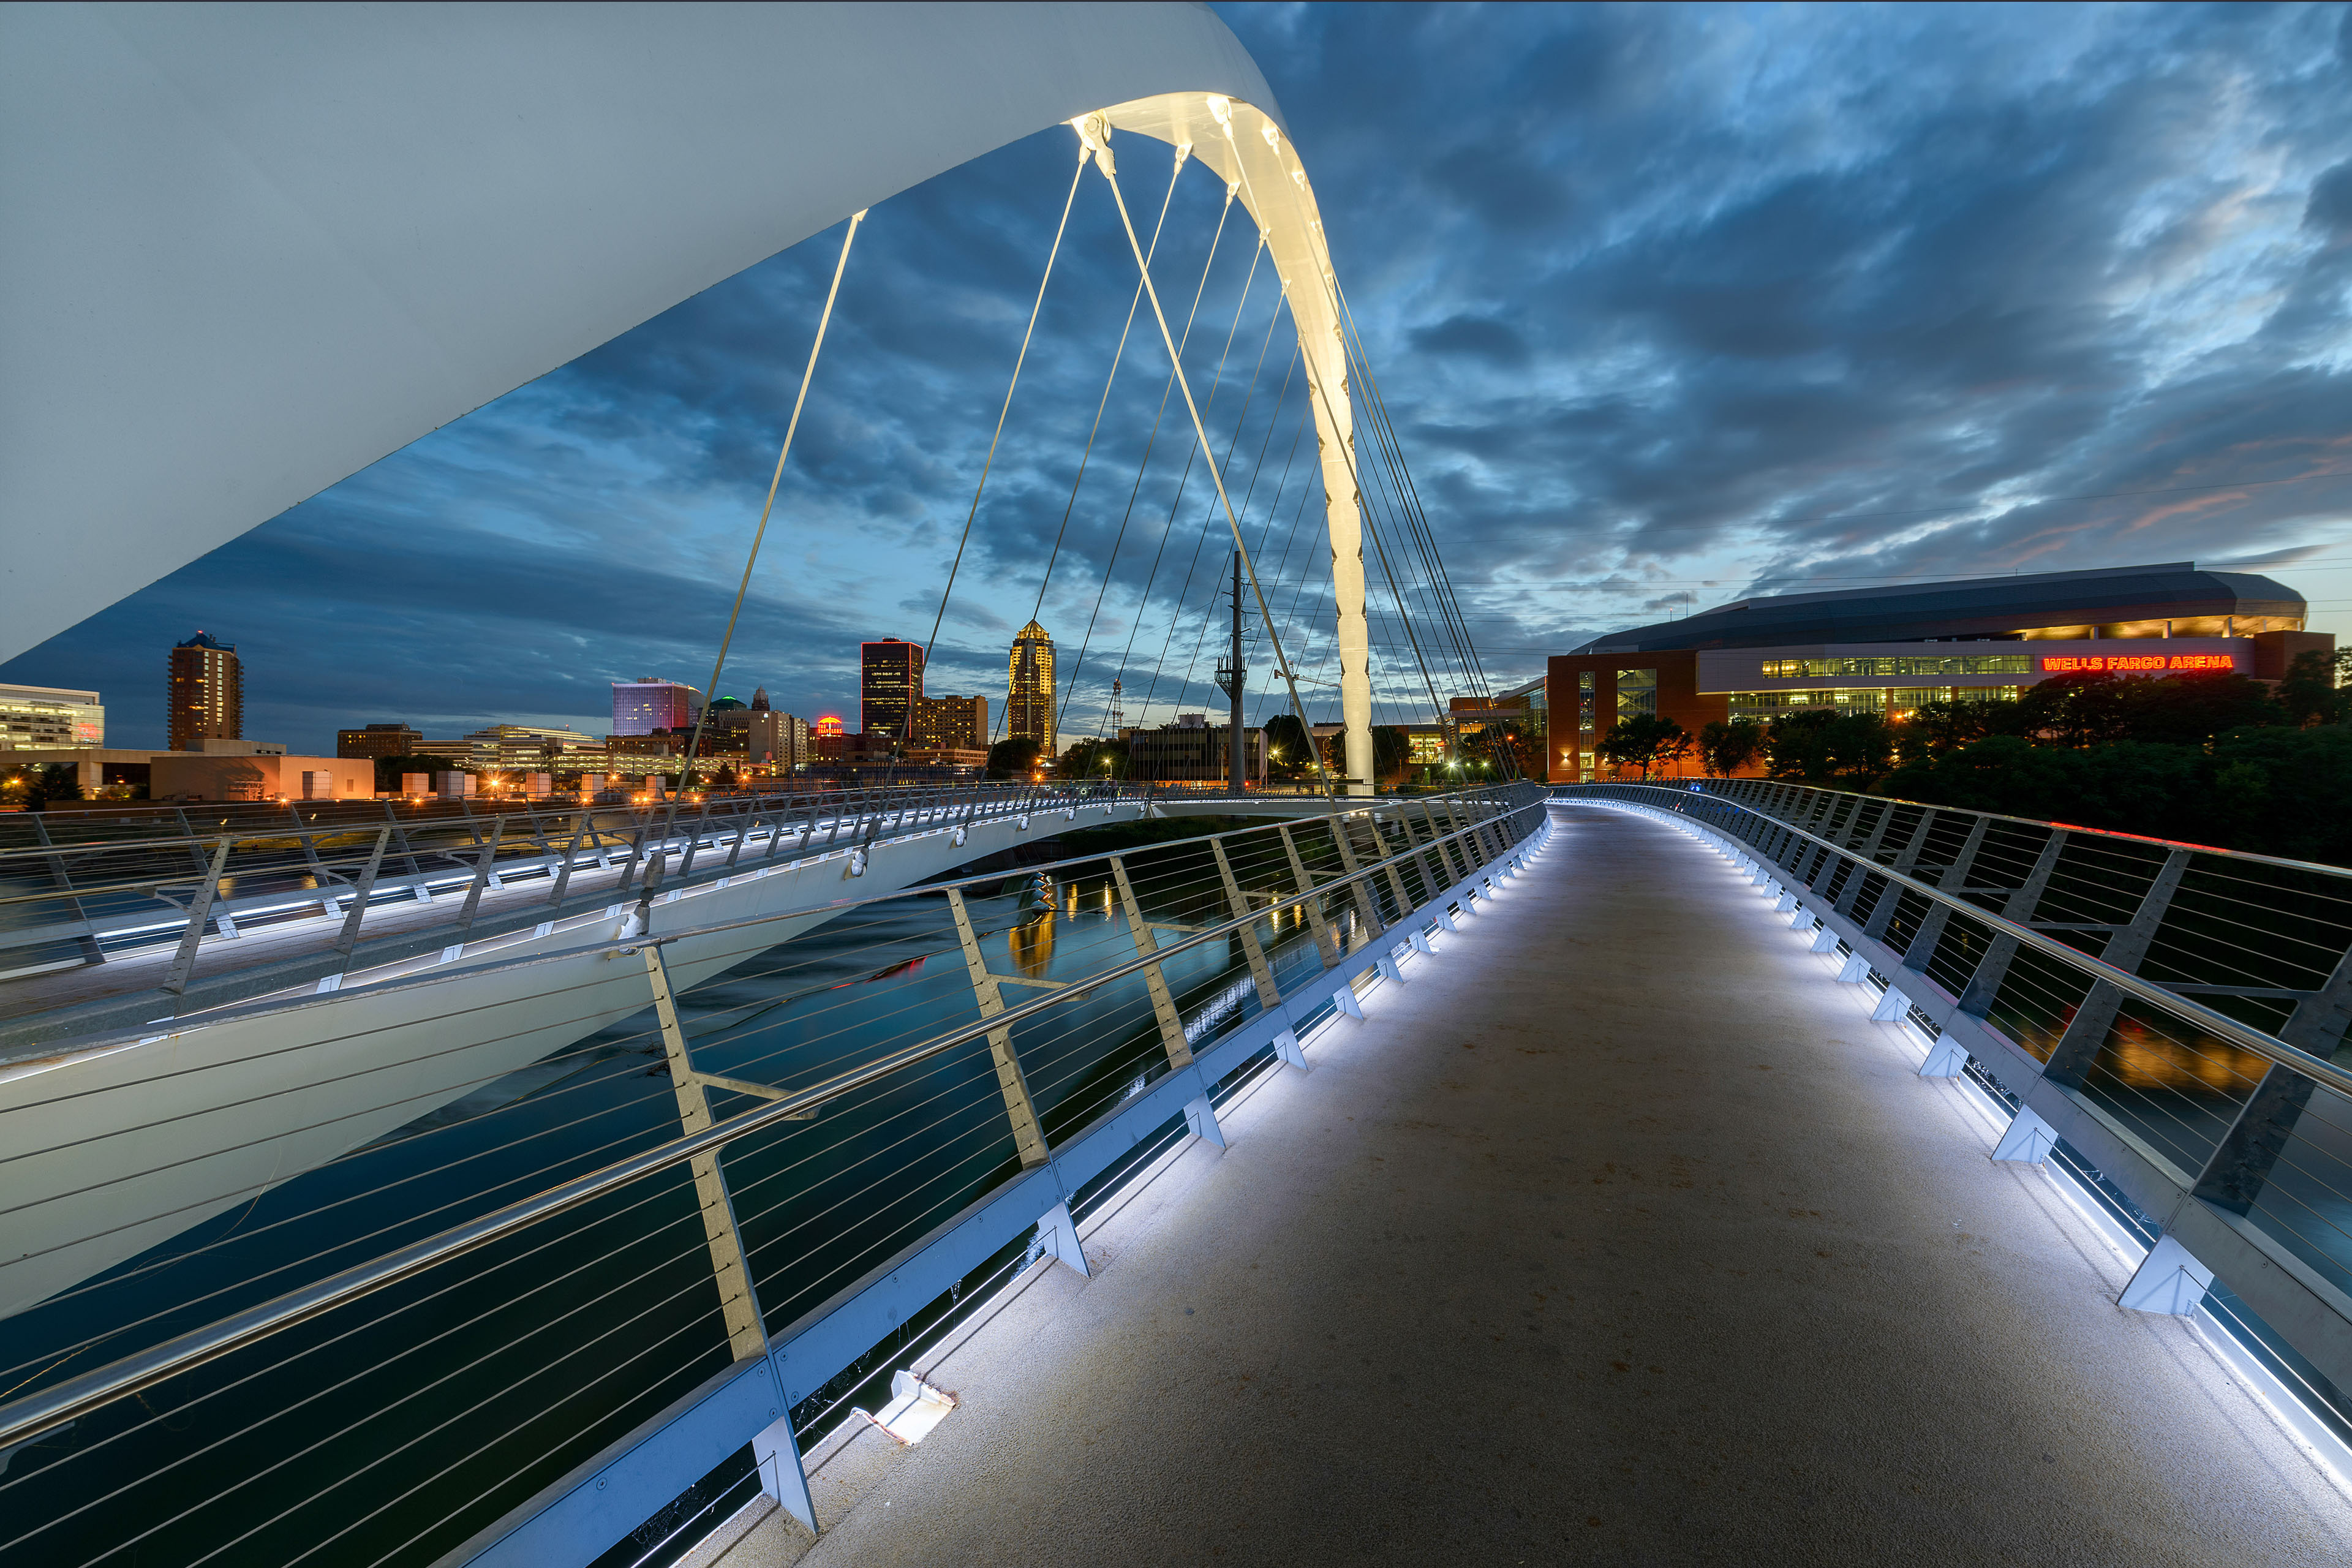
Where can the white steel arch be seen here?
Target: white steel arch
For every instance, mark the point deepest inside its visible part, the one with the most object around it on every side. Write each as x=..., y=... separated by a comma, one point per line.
x=1247, y=147
x=250, y=250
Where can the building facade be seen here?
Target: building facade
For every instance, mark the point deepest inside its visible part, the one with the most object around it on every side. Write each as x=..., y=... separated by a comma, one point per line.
x=1192, y=751
x=950, y=722
x=776, y=741
x=205, y=692
x=643, y=705
x=47, y=717
x=1029, y=690
x=1891, y=650
x=379, y=740
x=889, y=682
x=508, y=747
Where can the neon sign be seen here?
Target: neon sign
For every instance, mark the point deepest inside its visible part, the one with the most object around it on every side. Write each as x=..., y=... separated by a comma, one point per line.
x=2136, y=663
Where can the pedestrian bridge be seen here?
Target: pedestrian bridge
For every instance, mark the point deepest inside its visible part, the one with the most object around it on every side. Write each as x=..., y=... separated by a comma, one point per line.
x=1630, y=1172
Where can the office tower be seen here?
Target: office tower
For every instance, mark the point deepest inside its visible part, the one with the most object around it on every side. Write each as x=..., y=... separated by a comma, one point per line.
x=959, y=722
x=205, y=699
x=759, y=699
x=775, y=740
x=890, y=679
x=645, y=705
x=378, y=740
x=1029, y=698
x=49, y=717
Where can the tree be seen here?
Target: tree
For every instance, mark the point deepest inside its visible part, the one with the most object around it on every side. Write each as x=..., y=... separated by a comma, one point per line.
x=2085, y=710
x=1391, y=751
x=1936, y=729
x=1290, y=753
x=1645, y=741
x=388, y=771
x=1094, y=759
x=2309, y=694
x=1825, y=747
x=725, y=777
x=1725, y=748
x=62, y=781
x=2196, y=710
x=1014, y=758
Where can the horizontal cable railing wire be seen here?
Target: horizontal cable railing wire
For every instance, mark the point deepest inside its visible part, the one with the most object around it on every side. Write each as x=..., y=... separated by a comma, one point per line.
x=871, y=1017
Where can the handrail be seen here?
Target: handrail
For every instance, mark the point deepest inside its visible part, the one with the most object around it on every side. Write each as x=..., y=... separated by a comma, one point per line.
x=27, y=1418
x=1720, y=789
x=438, y=974
x=2268, y=1047
x=262, y=835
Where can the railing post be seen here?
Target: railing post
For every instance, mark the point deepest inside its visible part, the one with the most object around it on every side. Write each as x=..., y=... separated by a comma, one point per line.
x=2241, y=1163
x=319, y=876
x=1325, y=942
x=347, y=939
x=746, y=1334
x=391, y=818
x=1163, y=1005
x=1984, y=985
x=1261, y=972
x=564, y=871
x=1028, y=1135
x=481, y=878
x=1389, y=863
x=1884, y=911
x=693, y=839
x=1365, y=905
x=746, y=819
x=639, y=825
x=91, y=951
x=1953, y=880
x=1420, y=852
x=1452, y=858
x=1865, y=856
x=2087, y=1031
x=184, y=962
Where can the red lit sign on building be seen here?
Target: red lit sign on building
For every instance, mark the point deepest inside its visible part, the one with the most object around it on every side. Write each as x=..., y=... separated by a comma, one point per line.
x=2137, y=663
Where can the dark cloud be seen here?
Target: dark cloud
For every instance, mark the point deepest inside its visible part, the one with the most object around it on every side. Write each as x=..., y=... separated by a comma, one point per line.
x=1669, y=304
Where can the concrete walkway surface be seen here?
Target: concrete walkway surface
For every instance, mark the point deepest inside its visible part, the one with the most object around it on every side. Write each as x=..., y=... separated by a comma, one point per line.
x=1618, y=1234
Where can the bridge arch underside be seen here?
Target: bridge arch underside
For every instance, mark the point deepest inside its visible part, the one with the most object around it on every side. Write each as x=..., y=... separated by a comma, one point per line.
x=1619, y=1228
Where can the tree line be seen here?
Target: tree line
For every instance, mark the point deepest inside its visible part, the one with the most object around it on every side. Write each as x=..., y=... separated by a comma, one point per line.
x=2219, y=758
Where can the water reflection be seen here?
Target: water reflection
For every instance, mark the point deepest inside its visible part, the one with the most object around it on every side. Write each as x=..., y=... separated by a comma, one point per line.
x=2140, y=1057
x=1032, y=942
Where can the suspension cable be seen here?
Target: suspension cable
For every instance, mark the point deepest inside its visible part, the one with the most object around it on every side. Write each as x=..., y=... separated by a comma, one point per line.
x=1183, y=151
x=990, y=462
x=825, y=319
x=1150, y=444
x=1184, y=479
x=1093, y=131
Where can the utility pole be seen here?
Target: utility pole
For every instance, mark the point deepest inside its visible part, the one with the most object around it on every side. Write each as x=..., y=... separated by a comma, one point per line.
x=1230, y=675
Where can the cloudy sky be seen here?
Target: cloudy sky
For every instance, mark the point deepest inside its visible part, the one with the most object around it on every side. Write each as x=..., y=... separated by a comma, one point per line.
x=1669, y=304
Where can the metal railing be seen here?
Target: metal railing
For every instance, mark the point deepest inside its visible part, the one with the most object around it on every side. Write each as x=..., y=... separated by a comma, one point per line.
x=368, y=882
x=541, y=1301
x=2168, y=1019
x=305, y=858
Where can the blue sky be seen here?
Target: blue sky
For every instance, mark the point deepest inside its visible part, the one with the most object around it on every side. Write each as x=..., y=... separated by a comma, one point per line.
x=1670, y=304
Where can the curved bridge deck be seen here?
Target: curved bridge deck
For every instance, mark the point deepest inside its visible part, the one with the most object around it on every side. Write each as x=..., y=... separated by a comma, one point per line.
x=1619, y=1232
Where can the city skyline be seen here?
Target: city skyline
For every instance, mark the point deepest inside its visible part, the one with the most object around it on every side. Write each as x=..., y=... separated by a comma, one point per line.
x=1884, y=295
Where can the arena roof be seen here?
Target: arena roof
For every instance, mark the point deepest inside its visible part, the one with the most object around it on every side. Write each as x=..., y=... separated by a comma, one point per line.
x=1973, y=607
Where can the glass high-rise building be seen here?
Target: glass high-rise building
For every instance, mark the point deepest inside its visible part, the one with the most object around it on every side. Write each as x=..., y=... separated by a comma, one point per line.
x=1029, y=698
x=643, y=705
x=206, y=692
x=890, y=680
